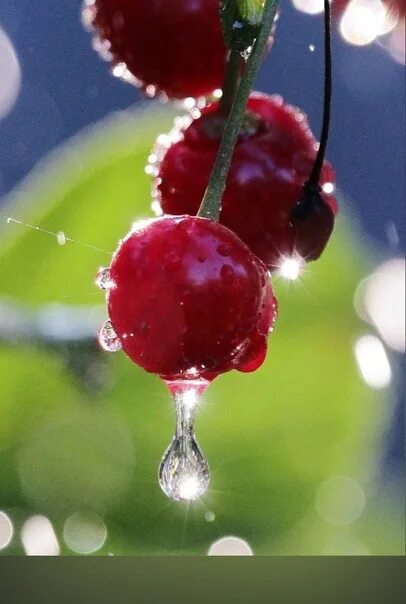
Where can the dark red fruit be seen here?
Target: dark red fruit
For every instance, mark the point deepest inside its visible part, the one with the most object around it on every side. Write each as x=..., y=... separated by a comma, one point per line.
x=189, y=299
x=273, y=158
x=311, y=214
x=174, y=46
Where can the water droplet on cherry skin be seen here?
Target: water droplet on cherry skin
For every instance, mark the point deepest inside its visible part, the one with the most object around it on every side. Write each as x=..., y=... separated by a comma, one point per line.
x=108, y=339
x=103, y=279
x=184, y=472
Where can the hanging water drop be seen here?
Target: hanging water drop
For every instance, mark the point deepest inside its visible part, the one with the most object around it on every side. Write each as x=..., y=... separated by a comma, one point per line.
x=103, y=279
x=184, y=472
x=108, y=338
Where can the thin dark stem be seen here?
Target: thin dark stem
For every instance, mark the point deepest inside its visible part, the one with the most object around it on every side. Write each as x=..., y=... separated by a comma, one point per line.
x=231, y=81
x=211, y=204
x=328, y=85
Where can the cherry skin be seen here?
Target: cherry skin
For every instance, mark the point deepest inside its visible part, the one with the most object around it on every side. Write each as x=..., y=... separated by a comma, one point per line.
x=189, y=300
x=272, y=160
x=175, y=46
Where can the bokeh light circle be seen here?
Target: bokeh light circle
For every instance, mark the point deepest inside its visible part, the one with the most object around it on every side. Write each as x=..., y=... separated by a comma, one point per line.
x=230, y=546
x=85, y=533
x=340, y=500
x=10, y=75
x=6, y=531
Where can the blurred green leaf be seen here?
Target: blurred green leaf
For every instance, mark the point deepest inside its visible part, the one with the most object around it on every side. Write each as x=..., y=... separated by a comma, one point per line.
x=271, y=437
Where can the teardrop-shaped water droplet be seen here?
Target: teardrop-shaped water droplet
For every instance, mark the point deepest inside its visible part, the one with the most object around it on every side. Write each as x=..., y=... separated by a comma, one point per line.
x=103, y=279
x=108, y=338
x=184, y=472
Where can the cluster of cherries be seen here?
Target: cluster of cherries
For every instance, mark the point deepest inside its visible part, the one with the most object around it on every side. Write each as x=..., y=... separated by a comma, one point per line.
x=190, y=298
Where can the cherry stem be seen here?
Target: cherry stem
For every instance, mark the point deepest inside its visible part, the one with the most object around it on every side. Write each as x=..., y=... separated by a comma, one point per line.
x=232, y=81
x=328, y=85
x=211, y=204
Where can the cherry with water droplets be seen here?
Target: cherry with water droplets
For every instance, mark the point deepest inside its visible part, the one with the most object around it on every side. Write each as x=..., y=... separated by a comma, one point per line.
x=273, y=159
x=190, y=300
x=175, y=47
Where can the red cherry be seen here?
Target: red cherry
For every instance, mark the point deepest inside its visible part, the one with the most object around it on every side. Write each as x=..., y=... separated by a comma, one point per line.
x=273, y=159
x=173, y=46
x=189, y=300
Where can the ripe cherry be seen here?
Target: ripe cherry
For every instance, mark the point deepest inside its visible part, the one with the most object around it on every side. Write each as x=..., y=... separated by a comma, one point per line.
x=188, y=300
x=272, y=161
x=172, y=46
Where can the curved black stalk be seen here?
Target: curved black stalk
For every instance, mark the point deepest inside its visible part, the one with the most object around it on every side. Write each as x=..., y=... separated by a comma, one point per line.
x=328, y=86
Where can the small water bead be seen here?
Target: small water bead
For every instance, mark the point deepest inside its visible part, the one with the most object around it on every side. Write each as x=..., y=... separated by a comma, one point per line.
x=103, y=280
x=61, y=238
x=119, y=70
x=108, y=338
x=227, y=273
x=224, y=250
x=102, y=47
x=150, y=91
x=156, y=208
x=246, y=53
x=88, y=14
x=184, y=472
x=328, y=187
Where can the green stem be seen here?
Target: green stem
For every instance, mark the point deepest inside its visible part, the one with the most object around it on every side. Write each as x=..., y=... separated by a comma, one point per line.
x=231, y=81
x=211, y=204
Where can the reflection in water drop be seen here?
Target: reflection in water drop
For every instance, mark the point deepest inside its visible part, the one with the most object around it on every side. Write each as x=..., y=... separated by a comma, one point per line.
x=108, y=338
x=184, y=473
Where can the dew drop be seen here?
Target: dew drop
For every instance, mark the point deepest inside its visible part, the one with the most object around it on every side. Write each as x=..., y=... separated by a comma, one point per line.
x=246, y=53
x=150, y=91
x=227, y=273
x=172, y=260
x=61, y=238
x=103, y=279
x=184, y=472
x=108, y=338
x=224, y=249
